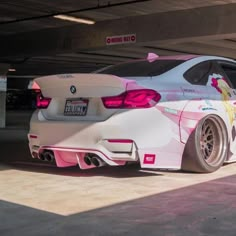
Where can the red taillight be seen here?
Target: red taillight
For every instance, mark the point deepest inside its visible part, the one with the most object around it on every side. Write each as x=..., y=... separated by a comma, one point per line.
x=42, y=102
x=141, y=98
x=120, y=141
x=32, y=136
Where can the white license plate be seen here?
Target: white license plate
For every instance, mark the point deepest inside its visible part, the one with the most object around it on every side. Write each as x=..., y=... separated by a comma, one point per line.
x=76, y=107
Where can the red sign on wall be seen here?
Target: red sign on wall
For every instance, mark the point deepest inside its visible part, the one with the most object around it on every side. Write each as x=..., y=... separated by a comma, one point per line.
x=121, y=39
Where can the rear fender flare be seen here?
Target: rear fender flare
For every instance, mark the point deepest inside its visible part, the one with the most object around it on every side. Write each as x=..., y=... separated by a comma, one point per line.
x=194, y=111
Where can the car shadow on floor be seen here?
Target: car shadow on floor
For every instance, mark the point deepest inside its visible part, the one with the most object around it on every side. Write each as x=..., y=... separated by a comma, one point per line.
x=203, y=209
x=128, y=171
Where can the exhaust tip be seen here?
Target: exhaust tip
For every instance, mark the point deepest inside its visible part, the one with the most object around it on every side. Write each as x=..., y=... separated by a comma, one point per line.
x=49, y=156
x=93, y=159
x=87, y=160
x=46, y=155
x=97, y=161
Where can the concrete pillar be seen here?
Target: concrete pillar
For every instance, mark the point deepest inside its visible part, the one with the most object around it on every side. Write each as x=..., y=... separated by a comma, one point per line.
x=3, y=89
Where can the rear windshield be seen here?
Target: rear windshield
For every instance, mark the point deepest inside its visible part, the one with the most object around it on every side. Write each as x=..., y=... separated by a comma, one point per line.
x=141, y=68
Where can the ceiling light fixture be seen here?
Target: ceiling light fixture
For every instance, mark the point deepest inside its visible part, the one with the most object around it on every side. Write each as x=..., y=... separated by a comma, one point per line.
x=11, y=70
x=75, y=19
x=56, y=14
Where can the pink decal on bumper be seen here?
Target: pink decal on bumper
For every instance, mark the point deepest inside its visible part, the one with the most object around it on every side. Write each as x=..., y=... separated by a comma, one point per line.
x=149, y=159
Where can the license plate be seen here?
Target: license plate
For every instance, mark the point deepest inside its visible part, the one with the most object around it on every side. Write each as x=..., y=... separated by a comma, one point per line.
x=76, y=107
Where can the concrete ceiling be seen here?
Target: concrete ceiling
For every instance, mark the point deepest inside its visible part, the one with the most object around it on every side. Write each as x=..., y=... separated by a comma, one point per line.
x=35, y=43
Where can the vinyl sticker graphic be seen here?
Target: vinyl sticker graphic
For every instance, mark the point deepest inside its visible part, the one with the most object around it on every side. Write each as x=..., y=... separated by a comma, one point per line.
x=221, y=85
x=149, y=158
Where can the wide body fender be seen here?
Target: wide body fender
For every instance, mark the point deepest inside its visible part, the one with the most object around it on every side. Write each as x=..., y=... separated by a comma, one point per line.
x=196, y=110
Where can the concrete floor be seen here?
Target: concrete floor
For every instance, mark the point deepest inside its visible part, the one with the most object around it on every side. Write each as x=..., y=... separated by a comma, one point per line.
x=39, y=199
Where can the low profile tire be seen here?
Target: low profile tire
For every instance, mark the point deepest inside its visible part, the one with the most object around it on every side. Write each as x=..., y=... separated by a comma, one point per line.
x=207, y=146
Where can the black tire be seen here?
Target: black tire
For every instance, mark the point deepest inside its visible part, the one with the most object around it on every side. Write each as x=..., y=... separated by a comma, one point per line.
x=207, y=146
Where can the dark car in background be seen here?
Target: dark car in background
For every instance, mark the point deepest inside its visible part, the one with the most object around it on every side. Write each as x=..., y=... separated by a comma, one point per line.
x=21, y=99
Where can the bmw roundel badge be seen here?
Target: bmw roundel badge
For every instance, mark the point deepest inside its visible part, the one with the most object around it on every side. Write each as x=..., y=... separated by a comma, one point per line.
x=73, y=89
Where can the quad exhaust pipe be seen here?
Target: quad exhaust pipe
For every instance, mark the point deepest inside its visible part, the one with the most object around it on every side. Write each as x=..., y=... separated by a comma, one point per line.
x=89, y=159
x=93, y=159
x=47, y=155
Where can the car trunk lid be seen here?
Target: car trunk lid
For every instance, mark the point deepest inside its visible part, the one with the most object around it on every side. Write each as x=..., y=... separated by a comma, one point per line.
x=78, y=96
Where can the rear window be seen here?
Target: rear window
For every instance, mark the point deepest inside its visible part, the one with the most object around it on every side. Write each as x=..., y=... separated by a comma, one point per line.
x=141, y=68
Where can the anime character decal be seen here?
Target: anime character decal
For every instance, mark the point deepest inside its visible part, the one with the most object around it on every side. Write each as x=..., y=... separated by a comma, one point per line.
x=221, y=85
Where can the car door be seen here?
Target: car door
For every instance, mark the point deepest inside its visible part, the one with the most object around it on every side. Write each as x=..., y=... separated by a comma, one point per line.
x=198, y=98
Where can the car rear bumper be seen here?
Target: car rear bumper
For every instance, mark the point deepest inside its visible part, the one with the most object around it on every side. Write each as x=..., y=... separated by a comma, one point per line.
x=120, y=139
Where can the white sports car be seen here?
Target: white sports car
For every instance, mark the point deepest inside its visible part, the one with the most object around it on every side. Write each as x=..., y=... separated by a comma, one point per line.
x=171, y=112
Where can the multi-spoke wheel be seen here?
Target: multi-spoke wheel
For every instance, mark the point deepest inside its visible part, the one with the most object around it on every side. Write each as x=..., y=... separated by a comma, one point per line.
x=207, y=146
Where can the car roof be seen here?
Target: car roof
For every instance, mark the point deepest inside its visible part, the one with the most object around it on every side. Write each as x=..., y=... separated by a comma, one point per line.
x=178, y=57
x=187, y=57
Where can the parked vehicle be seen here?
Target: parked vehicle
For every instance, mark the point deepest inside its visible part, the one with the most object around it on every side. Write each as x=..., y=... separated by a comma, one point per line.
x=21, y=99
x=172, y=112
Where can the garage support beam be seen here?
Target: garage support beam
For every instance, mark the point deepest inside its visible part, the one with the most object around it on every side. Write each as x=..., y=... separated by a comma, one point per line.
x=205, y=23
x=3, y=87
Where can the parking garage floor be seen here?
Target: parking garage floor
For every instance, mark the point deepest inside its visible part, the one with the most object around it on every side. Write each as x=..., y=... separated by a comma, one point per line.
x=36, y=198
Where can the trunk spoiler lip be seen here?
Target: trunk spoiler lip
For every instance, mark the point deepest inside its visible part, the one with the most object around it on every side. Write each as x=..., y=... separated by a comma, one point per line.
x=74, y=75
x=105, y=80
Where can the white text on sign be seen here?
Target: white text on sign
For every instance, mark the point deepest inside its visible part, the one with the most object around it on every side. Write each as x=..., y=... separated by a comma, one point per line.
x=121, y=39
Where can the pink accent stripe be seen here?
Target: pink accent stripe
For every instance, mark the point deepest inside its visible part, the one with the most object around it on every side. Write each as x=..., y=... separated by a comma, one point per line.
x=33, y=136
x=120, y=141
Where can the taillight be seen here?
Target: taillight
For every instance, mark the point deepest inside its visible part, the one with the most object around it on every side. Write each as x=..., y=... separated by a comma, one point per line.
x=32, y=136
x=141, y=98
x=120, y=140
x=42, y=102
